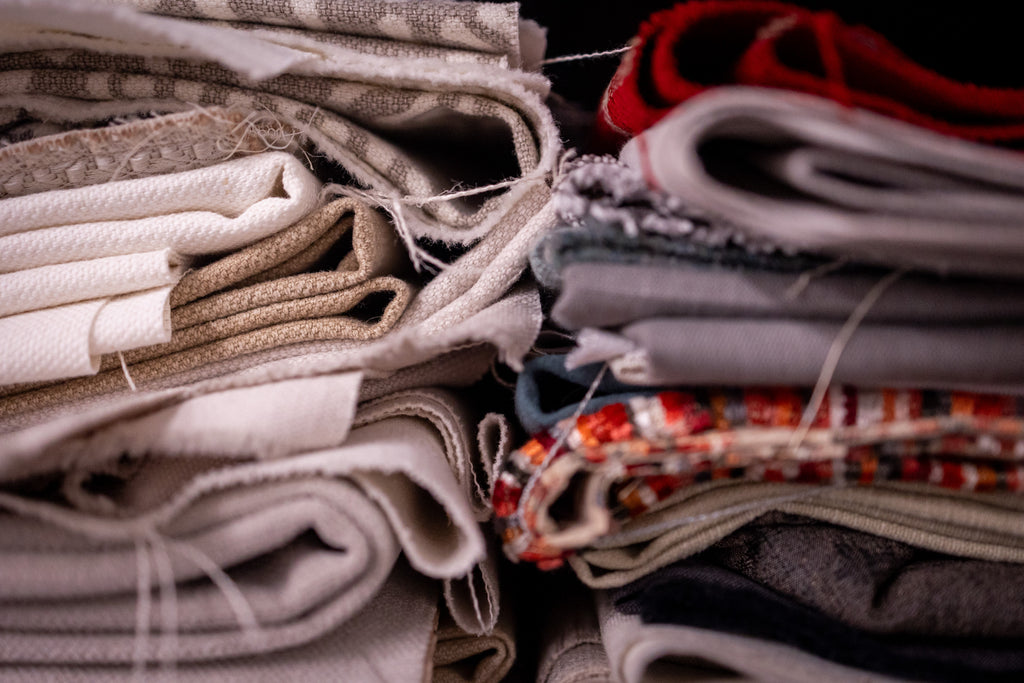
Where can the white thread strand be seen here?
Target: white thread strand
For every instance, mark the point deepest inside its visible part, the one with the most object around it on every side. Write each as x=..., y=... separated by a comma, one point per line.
x=476, y=601
x=588, y=55
x=802, y=282
x=835, y=352
x=244, y=614
x=127, y=375
x=143, y=610
x=168, y=648
x=562, y=436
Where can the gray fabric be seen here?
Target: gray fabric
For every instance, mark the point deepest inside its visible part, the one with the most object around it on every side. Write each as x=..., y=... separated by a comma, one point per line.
x=607, y=294
x=983, y=526
x=643, y=653
x=305, y=554
x=800, y=171
x=402, y=492
x=873, y=583
x=666, y=351
x=388, y=640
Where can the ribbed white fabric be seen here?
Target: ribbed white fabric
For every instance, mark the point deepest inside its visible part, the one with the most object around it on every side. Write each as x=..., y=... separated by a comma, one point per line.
x=65, y=283
x=207, y=210
x=67, y=341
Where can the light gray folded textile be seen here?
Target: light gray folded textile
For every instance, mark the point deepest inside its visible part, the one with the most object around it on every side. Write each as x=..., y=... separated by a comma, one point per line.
x=805, y=172
x=607, y=294
x=644, y=653
x=388, y=640
x=665, y=351
x=978, y=525
x=388, y=486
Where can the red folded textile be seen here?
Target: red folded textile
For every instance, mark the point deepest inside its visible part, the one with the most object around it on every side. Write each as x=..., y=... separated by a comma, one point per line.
x=685, y=50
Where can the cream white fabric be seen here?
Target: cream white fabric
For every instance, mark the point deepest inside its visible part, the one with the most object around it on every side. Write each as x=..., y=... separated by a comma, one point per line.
x=207, y=210
x=67, y=341
x=64, y=283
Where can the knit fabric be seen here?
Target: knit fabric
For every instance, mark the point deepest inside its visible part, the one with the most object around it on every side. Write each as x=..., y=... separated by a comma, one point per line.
x=637, y=454
x=681, y=52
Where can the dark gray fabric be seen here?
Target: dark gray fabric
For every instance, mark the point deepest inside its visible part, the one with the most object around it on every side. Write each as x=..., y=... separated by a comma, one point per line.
x=852, y=597
x=875, y=583
x=778, y=352
x=606, y=294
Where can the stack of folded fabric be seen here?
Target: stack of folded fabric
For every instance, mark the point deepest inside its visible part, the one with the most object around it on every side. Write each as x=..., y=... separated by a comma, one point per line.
x=783, y=303
x=247, y=254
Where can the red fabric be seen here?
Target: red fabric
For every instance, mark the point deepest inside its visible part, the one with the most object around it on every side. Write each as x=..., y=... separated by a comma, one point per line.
x=681, y=52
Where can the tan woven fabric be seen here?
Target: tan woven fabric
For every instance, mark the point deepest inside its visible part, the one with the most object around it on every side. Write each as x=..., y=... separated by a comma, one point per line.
x=217, y=315
x=460, y=657
x=137, y=149
x=400, y=126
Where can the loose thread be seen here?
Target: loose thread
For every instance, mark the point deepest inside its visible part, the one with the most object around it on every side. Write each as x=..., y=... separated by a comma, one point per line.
x=588, y=55
x=143, y=610
x=168, y=648
x=244, y=614
x=835, y=352
x=804, y=281
x=127, y=375
x=562, y=437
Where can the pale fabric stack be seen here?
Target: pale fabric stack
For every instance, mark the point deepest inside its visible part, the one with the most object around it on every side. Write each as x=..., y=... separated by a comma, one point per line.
x=236, y=306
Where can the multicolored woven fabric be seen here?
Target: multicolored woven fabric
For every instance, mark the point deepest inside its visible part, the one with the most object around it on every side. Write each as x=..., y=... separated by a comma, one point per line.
x=568, y=486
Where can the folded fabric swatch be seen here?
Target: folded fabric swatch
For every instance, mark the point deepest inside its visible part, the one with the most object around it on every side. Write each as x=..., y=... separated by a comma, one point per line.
x=69, y=341
x=683, y=51
x=203, y=211
x=639, y=652
x=461, y=657
x=63, y=283
x=398, y=125
x=867, y=582
x=609, y=293
x=135, y=149
x=796, y=170
x=389, y=639
x=565, y=489
x=388, y=484
x=547, y=393
x=155, y=450
x=694, y=593
x=259, y=297
x=771, y=351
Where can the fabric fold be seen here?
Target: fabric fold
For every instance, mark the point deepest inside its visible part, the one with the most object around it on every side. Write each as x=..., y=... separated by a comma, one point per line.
x=203, y=211
x=729, y=152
